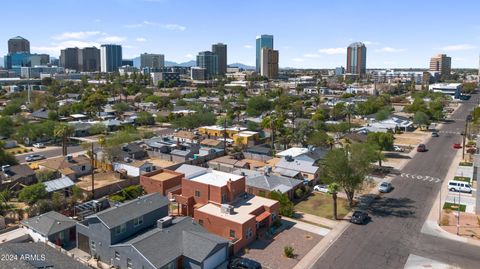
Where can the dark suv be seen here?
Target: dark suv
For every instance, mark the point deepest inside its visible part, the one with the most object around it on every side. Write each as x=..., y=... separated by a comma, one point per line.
x=421, y=148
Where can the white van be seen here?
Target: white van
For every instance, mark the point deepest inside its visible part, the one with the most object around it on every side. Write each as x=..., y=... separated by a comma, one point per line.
x=461, y=186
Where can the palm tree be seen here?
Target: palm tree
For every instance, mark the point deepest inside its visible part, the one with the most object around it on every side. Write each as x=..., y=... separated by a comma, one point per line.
x=274, y=123
x=63, y=131
x=333, y=190
x=330, y=141
x=349, y=110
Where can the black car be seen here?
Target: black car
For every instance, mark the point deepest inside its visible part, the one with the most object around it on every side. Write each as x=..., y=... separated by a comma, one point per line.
x=243, y=263
x=360, y=217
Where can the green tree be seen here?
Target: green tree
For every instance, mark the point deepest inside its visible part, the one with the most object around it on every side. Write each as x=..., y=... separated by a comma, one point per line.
x=63, y=131
x=380, y=142
x=94, y=102
x=348, y=167
x=338, y=111
x=320, y=115
x=318, y=139
x=6, y=126
x=286, y=206
x=421, y=118
x=31, y=194
x=45, y=175
x=145, y=118
x=97, y=128
x=258, y=104
x=333, y=190
x=382, y=114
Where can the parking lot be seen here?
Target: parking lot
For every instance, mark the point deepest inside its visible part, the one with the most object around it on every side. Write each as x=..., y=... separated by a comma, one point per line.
x=292, y=235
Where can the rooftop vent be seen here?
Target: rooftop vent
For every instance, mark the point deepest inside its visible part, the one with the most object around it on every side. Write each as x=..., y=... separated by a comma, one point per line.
x=164, y=222
x=227, y=209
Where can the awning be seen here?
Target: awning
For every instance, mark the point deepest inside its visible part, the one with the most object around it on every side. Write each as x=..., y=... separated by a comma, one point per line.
x=262, y=216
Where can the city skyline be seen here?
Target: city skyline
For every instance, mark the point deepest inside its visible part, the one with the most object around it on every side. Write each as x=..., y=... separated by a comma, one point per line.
x=313, y=35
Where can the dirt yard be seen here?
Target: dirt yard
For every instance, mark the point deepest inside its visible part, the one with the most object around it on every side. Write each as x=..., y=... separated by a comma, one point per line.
x=411, y=138
x=469, y=224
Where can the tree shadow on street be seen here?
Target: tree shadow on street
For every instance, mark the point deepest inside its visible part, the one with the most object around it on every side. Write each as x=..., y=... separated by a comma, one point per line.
x=386, y=207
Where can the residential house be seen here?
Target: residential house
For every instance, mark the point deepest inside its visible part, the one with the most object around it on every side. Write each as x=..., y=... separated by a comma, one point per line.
x=292, y=167
x=246, y=138
x=63, y=185
x=218, y=201
x=41, y=114
x=53, y=227
x=228, y=163
x=72, y=167
x=212, y=143
x=12, y=177
x=185, y=137
x=263, y=183
x=133, y=168
x=162, y=181
x=261, y=152
x=32, y=254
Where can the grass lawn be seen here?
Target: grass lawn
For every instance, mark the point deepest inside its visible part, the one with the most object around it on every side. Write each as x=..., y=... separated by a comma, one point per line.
x=464, y=179
x=321, y=205
x=453, y=207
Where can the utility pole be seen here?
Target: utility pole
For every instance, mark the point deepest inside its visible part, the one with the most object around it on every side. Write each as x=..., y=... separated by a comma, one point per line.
x=93, y=173
x=467, y=119
x=225, y=135
x=458, y=215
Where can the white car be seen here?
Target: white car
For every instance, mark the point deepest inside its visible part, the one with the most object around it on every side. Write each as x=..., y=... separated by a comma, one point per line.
x=398, y=149
x=38, y=145
x=321, y=188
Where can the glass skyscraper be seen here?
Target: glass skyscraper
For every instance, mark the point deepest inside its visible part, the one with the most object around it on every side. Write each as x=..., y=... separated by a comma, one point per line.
x=263, y=41
x=209, y=61
x=110, y=57
x=357, y=59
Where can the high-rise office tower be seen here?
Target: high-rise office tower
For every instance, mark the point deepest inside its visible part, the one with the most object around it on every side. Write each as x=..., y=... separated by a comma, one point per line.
x=154, y=61
x=441, y=63
x=89, y=59
x=357, y=59
x=18, y=44
x=69, y=58
x=209, y=61
x=110, y=57
x=269, y=63
x=221, y=50
x=263, y=41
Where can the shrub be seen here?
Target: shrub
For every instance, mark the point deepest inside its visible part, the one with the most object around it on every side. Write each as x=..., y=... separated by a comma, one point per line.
x=445, y=220
x=288, y=251
x=466, y=164
x=298, y=193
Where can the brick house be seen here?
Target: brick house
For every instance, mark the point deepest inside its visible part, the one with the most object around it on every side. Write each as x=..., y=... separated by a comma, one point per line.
x=162, y=181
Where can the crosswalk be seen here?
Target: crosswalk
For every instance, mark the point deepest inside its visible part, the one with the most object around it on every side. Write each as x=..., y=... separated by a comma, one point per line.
x=420, y=177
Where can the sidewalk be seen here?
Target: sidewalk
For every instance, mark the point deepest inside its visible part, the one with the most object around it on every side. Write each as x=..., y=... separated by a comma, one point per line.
x=308, y=227
x=431, y=225
x=301, y=216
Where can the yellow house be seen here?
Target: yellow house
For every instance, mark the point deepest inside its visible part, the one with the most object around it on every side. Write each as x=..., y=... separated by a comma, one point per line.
x=246, y=137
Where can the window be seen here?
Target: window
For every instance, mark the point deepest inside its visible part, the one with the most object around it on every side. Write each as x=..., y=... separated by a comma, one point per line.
x=232, y=233
x=249, y=233
x=200, y=221
x=274, y=216
x=61, y=235
x=117, y=255
x=121, y=229
x=197, y=193
x=224, y=198
x=138, y=221
x=93, y=245
x=83, y=168
x=129, y=263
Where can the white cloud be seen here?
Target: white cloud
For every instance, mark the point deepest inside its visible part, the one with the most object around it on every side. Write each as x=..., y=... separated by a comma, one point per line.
x=113, y=38
x=458, y=47
x=175, y=27
x=56, y=47
x=189, y=56
x=77, y=35
x=312, y=55
x=141, y=39
x=298, y=60
x=389, y=49
x=138, y=25
x=332, y=51
x=248, y=46
x=370, y=42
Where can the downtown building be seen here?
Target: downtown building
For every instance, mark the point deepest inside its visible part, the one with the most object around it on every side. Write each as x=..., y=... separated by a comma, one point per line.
x=19, y=55
x=441, y=63
x=269, y=63
x=209, y=61
x=110, y=58
x=220, y=50
x=152, y=61
x=81, y=60
x=18, y=44
x=357, y=59
x=262, y=41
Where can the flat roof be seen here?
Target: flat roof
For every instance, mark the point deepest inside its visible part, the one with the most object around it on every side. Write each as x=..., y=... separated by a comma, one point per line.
x=242, y=209
x=216, y=178
x=163, y=176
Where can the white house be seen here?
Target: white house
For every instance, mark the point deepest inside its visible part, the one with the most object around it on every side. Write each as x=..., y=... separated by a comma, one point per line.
x=134, y=169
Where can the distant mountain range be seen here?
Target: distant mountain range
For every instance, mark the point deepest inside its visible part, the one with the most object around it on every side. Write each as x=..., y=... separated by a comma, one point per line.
x=136, y=63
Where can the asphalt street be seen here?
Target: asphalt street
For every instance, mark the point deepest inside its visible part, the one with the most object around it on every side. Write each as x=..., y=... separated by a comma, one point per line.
x=50, y=153
x=397, y=218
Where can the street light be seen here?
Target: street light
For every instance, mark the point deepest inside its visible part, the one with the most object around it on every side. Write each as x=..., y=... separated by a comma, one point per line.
x=469, y=118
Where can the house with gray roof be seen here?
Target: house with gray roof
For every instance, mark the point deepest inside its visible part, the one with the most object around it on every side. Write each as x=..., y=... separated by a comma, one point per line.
x=52, y=258
x=14, y=176
x=99, y=231
x=262, y=183
x=173, y=243
x=290, y=165
x=51, y=226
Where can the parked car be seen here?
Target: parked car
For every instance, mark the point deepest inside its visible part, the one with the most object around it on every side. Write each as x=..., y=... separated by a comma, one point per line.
x=457, y=146
x=385, y=187
x=421, y=148
x=460, y=186
x=34, y=157
x=360, y=217
x=321, y=188
x=38, y=145
x=435, y=134
x=398, y=149
x=244, y=263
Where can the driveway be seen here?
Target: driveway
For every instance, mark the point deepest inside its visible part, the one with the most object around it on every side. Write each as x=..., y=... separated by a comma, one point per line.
x=270, y=252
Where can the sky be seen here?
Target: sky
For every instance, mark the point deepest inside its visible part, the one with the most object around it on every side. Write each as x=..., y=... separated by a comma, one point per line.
x=308, y=34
